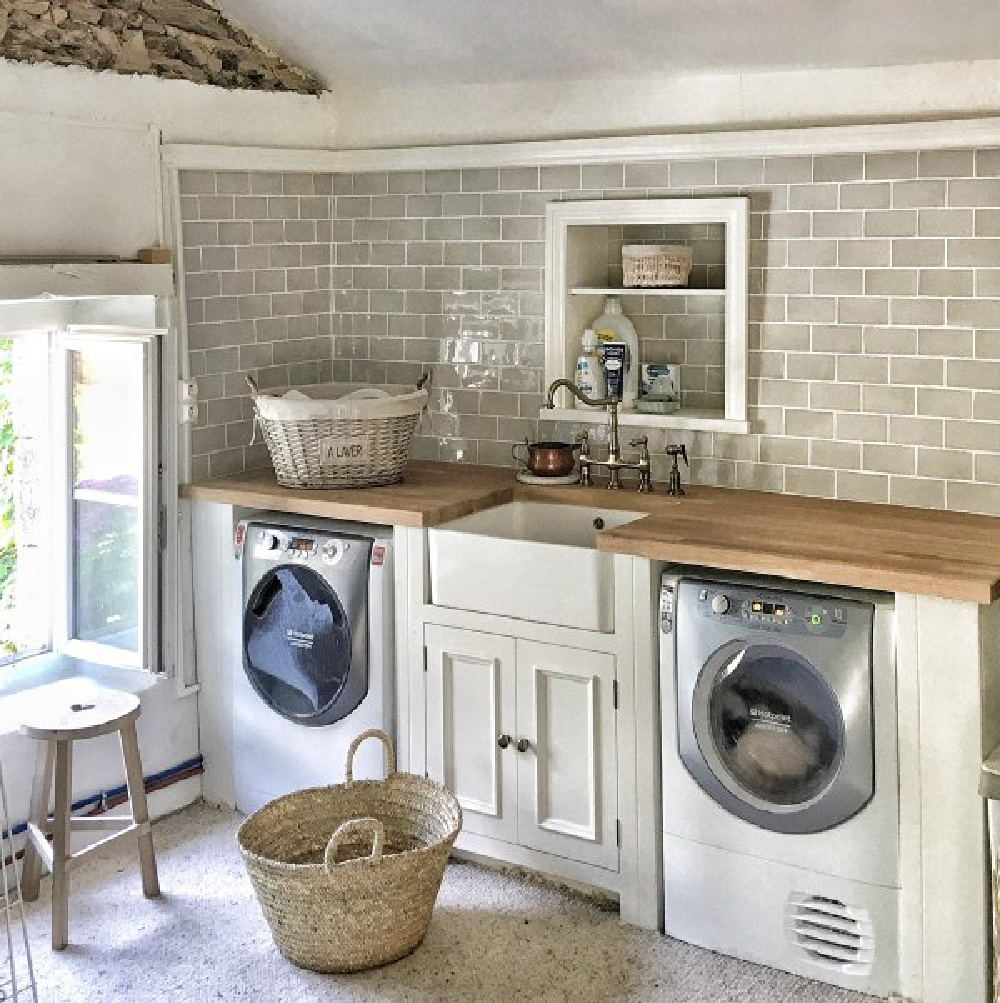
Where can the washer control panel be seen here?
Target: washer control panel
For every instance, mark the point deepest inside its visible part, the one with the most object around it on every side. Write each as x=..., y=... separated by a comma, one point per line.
x=279, y=545
x=772, y=611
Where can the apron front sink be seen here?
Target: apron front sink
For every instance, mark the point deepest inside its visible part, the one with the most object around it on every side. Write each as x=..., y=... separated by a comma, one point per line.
x=528, y=560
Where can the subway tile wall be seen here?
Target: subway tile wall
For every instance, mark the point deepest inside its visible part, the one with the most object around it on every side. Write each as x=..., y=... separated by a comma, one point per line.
x=874, y=311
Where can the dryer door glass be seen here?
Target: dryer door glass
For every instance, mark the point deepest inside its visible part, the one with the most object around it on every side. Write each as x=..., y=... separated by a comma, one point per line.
x=775, y=723
x=297, y=644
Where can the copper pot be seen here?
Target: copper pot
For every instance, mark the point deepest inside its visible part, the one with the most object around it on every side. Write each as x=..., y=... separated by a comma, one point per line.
x=547, y=459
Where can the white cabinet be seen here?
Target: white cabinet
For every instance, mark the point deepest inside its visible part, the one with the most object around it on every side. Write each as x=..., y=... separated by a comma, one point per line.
x=524, y=733
x=701, y=327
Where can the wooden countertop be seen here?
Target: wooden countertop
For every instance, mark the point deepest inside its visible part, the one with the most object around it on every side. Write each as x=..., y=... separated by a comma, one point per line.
x=430, y=493
x=920, y=551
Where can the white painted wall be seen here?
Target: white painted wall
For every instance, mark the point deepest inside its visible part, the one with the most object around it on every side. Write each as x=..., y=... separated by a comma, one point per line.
x=353, y=118
x=556, y=110
x=168, y=735
x=184, y=112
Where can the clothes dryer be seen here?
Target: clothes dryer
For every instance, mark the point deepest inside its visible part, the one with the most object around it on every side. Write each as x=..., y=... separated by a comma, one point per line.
x=780, y=779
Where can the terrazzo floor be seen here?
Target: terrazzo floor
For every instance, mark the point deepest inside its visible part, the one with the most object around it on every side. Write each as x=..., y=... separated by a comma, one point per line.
x=495, y=936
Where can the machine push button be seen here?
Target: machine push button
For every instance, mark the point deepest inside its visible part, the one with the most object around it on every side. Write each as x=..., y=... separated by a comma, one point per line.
x=720, y=604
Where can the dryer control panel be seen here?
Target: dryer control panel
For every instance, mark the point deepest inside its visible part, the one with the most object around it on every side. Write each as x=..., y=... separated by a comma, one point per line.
x=773, y=611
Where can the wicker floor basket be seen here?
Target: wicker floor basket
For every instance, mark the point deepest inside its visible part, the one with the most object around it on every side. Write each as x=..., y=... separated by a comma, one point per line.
x=355, y=442
x=347, y=875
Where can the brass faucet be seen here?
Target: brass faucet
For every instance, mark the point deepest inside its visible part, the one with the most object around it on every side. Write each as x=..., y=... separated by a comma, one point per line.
x=615, y=463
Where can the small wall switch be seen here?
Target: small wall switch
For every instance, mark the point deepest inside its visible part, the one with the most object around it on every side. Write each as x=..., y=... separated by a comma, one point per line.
x=187, y=390
x=189, y=412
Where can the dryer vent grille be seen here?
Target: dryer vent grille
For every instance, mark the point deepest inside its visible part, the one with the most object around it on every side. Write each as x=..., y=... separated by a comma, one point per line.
x=830, y=933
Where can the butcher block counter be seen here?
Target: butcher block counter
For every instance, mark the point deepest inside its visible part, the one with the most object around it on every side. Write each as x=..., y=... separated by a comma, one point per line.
x=949, y=555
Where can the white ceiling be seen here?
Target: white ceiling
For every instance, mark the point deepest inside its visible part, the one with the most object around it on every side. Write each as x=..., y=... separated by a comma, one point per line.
x=413, y=43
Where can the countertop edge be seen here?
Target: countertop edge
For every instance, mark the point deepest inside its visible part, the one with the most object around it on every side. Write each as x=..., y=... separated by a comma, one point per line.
x=982, y=591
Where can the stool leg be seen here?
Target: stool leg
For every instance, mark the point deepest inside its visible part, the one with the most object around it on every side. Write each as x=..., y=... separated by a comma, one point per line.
x=140, y=812
x=41, y=787
x=61, y=849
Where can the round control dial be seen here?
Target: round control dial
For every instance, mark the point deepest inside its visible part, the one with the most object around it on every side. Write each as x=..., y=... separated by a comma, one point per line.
x=268, y=541
x=720, y=604
x=333, y=550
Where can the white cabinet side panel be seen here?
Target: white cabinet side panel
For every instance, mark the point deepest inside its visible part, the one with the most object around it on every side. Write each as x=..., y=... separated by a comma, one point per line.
x=217, y=620
x=953, y=829
x=639, y=730
x=411, y=671
x=401, y=648
x=911, y=908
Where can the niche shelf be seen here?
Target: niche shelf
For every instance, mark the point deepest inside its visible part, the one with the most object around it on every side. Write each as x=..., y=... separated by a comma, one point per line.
x=705, y=322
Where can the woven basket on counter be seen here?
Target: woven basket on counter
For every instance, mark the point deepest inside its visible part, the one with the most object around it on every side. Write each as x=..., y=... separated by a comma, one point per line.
x=358, y=441
x=364, y=895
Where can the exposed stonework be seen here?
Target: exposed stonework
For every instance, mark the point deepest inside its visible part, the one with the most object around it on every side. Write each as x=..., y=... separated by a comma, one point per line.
x=177, y=39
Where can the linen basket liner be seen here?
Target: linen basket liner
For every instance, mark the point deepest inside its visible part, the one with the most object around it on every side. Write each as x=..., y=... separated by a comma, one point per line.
x=363, y=896
x=359, y=408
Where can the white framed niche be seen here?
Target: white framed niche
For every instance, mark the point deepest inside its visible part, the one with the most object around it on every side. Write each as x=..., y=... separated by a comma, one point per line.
x=702, y=326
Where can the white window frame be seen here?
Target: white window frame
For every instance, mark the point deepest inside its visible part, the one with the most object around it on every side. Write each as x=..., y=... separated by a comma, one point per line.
x=79, y=336
x=63, y=323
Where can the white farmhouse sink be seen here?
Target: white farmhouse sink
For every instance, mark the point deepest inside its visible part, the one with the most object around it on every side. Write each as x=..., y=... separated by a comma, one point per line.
x=529, y=560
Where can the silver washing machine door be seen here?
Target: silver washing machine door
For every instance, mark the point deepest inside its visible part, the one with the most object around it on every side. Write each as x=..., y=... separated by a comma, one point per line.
x=305, y=645
x=775, y=721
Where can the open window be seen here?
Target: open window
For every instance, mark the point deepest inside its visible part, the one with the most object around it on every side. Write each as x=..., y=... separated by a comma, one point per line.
x=79, y=500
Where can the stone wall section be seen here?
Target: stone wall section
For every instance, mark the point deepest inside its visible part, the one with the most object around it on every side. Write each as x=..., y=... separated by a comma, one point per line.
x=175, y=39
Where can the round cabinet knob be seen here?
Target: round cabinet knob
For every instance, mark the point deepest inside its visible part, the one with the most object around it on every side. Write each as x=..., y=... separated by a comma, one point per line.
x=523, y=745
x=503, y=741
x=720, y=604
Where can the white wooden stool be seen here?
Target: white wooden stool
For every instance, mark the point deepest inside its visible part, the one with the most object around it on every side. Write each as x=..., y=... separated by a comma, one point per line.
x=56, y=725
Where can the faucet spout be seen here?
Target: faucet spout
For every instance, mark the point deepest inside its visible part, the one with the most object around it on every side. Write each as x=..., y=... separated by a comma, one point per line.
x=550, y=399
x=615, y=462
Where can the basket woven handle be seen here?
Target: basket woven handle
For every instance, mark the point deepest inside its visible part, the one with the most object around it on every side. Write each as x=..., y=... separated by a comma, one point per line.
x=390, y=753
x=252, y=384
x=349, y=827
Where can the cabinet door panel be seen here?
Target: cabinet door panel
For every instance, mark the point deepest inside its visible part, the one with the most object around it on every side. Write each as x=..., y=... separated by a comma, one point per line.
x=470, y=703
x=567, y=779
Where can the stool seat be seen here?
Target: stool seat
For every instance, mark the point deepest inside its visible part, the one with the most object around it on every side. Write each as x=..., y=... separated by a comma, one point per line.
x=86, y=713
x=65, y=712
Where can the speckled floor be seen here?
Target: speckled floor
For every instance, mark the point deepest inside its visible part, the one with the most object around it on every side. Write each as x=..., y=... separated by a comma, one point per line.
x=494, y=937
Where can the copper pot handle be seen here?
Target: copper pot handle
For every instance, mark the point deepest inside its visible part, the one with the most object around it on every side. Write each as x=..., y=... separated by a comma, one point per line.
x=521, y=459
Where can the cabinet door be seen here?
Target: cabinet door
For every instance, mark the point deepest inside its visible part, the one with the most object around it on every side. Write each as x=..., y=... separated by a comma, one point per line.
x=568, y=776
x=470, y=704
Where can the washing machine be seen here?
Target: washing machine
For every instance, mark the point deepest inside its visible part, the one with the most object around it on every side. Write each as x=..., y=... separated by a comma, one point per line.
x=317, y=647
x=779, y=775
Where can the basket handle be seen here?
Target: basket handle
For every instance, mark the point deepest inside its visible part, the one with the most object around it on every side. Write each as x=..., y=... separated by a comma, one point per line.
x=390, y=753
x=352, y=825
x=425, y=379
x=252, y=384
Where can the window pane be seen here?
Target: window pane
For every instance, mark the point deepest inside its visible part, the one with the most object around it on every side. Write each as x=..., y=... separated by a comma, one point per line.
x=106, y=383
x=25, y=624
